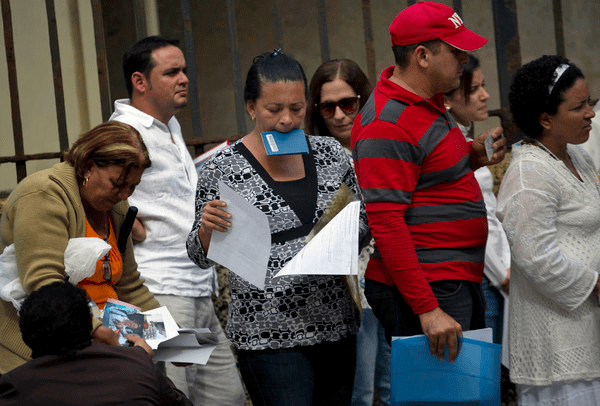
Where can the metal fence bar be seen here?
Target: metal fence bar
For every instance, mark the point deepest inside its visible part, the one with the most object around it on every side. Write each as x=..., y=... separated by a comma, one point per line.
x=559, y=32
x=240, y=106
x=508, y=53
x=21, y=158
x=370, y=48
x=457, y=6
x=59, y=94
x=13, y=88
x=190, y=58
x=323, y=34
x=105, y=99
x=277, y=24
x=139, y=12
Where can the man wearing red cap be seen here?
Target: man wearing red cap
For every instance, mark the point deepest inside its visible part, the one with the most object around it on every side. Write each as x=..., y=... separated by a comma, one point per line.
x=426, y=210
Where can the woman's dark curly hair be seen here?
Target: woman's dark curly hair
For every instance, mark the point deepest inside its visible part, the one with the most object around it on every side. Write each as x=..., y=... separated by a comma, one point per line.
x=56, y=320
x=529, y=92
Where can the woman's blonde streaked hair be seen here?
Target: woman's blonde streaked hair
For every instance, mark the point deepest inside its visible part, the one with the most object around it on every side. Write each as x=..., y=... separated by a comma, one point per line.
x=110, y=143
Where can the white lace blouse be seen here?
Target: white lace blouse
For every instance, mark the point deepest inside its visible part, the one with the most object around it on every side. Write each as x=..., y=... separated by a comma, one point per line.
x=552, y=221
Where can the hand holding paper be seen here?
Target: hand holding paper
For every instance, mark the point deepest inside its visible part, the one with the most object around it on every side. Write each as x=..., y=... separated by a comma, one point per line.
x=333, y=251
x=161, y=333
x=245, y=247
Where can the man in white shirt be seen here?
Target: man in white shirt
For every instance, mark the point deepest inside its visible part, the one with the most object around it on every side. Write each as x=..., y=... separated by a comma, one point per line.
x=155, y=75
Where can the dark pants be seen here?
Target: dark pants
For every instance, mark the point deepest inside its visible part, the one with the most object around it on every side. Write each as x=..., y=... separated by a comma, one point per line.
x=320, y=374
x=462, y=300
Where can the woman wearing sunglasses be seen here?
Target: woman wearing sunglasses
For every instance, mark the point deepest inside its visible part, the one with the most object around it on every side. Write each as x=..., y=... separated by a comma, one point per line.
x=85, y=196
x=337, y=91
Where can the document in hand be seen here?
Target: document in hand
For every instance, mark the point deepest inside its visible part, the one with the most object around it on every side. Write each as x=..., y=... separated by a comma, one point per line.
x=191, y=345
x=333, y=251
x=245, y=247
x=160, y=331
x=419, y=378
x=124, y=317
x=180, y=345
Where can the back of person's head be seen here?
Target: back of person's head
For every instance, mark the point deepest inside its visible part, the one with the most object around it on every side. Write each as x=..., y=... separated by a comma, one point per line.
x=138, y=57
x=56, y=320
x=110, y=143
x=537, y=88
x=466, y=79
x=427, y=23
x=272, y=67
x=344, y=69
x=403, y=53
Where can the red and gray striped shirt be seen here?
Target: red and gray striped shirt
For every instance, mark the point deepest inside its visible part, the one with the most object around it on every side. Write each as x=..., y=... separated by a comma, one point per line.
x=426, y=211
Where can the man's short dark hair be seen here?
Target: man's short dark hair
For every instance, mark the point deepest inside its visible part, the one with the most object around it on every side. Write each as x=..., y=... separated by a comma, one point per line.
x=138, y=58
x=402, y=53
x=56, y=320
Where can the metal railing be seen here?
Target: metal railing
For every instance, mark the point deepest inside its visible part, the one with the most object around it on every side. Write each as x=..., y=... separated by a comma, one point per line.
x=508, y=59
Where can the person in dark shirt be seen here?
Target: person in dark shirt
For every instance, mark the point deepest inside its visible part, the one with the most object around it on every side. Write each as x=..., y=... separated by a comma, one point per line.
x=68, y=368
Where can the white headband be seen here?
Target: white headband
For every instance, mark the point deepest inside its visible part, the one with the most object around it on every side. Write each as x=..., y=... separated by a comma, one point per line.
x=562, y=68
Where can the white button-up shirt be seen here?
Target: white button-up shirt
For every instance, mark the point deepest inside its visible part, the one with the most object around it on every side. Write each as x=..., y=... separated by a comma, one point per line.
x=165, y=200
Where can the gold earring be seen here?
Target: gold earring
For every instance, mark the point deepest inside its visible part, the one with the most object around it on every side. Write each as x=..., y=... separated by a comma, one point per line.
x=85, y=180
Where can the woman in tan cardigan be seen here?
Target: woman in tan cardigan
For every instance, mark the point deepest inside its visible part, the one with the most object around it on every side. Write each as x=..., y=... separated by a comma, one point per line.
x=86, y=196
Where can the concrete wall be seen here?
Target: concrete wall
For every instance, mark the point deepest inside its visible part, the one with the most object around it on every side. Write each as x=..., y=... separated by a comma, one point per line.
x=35, y=80
x=213, y=62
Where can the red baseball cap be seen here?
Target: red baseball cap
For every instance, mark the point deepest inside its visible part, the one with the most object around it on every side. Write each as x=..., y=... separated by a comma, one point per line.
x=427, y=20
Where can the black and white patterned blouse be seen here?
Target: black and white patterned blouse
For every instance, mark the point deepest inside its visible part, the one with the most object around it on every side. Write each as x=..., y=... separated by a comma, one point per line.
x=291, y=310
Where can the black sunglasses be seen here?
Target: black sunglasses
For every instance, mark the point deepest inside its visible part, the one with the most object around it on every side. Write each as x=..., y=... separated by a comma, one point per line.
x=348, y=105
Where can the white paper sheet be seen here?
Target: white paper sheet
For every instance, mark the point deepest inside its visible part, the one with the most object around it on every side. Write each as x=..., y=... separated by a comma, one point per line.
x=190, y=346
x=333, y=251
x=483, y=334
x=505, y=339
x=171, y=327
x=246, y=246
x=180, y=345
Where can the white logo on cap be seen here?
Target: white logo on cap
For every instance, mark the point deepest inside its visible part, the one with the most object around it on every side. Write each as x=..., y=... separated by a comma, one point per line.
x=456, y=20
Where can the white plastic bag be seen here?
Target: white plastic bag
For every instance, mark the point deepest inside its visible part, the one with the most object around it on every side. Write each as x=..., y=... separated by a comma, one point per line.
x=11, y=289
x=81, y=256
x=80, y=263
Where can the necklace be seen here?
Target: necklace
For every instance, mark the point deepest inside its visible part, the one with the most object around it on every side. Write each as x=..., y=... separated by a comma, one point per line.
x=567, y=161
x=536, y=143
x=100, y=225
x=103, y=227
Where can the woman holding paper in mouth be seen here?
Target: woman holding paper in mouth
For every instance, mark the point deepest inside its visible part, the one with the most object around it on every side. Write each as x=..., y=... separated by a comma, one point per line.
x=296, y=337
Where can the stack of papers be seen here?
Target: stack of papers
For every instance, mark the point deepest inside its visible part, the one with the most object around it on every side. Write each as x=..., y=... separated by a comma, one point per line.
x=159, y=329
x=246, y=246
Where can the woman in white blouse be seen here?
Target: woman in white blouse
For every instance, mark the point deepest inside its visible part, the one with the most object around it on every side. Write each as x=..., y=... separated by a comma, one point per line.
x=468, y=103
x=549, y=205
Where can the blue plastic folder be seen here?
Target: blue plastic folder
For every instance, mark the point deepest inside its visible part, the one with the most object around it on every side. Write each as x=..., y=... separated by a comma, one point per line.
x=418, y=378
x=277, y=143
